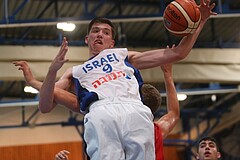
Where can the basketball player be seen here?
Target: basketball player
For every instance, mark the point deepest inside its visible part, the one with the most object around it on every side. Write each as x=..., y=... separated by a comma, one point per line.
x=152, y=99
x=107, y=87
x=208, y=149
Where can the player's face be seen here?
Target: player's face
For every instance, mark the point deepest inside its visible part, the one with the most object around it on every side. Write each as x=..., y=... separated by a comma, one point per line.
x=208, y=151
x=99, y=38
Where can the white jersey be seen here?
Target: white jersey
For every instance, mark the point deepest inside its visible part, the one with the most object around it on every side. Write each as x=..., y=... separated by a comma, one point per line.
x=106, y=75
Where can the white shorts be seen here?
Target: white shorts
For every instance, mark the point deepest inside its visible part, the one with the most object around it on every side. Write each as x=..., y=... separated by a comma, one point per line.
x=119, y=129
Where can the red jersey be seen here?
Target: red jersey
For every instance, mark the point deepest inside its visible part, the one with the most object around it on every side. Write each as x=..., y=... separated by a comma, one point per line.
x=158, y=142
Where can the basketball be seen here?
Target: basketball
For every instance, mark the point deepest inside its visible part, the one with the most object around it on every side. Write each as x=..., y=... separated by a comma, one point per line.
x=181, y=17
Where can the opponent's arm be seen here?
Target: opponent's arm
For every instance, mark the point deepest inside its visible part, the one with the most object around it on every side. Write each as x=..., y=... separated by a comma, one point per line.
x=158, y=57
x=169, y=120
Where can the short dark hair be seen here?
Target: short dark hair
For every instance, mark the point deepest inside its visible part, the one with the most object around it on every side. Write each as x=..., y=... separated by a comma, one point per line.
x=102, y=20
x=208, y=138
x=151, y=97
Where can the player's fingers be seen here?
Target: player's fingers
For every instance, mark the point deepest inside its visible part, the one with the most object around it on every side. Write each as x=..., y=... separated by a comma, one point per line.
x=212, y=6
x=63, y=42
x=16, y=63
x=63, y=51
x=65, y=60
x=57, y=157
x=214, y=13
x=66, y=157
x=64, y=152
x=202, y=2
x=64, y=45
x=20, y=68
x=207, y=2
x=61, y=156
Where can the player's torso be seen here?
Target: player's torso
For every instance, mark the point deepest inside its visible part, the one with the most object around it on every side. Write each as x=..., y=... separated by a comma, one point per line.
x=109, y=75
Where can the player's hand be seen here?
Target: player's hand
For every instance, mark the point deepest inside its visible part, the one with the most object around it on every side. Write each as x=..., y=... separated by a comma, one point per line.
x=23, y=65
x=62, y=155
x=167, y=68
x=206, y=9
x=173, y=46
x=60, y=59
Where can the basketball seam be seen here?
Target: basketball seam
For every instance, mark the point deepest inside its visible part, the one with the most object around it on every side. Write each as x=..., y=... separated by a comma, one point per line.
x=181, y=32
x=183, y=11
x=175, y=21
x=196, y=24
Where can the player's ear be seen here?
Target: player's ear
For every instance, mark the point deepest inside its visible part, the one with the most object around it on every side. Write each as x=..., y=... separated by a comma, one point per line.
x=112, y=44
x=86, y=39
x=197, y=156
x=218, y=155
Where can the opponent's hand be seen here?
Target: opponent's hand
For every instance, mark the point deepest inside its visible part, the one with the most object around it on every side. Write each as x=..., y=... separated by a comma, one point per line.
x=23, y=65
x=59, y=60
x=167, y=68
x=62, y=155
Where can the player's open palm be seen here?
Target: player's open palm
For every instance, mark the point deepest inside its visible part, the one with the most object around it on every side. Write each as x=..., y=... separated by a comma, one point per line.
x=60, y=59
x=23, y=65
x=206, y=9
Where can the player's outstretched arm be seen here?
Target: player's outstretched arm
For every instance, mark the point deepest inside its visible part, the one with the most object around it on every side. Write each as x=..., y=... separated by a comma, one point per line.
x=46, y=98
x=186, y=44
x=169, y=120
x=158, y=57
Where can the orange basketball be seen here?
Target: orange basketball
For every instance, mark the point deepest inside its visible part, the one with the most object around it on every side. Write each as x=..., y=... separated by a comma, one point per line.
x=181, y=17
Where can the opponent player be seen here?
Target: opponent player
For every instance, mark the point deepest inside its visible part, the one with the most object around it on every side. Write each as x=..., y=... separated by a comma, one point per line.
x=208, y=149
x=152, y=98
x=99, y=82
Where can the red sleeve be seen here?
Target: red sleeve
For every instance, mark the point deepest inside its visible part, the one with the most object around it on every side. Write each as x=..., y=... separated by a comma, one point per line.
x=158, y=142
